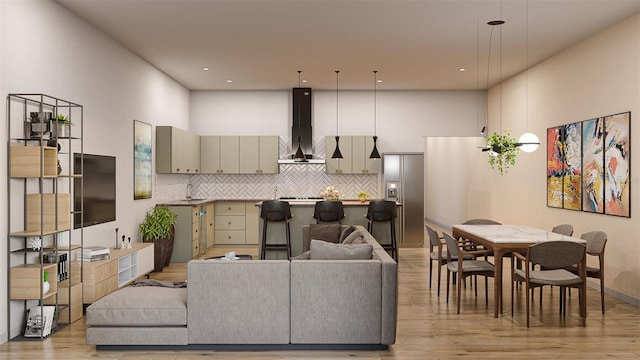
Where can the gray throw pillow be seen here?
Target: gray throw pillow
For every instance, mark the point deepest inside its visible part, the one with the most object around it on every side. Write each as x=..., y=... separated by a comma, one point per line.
x=326, y=232
x=304, y=256
x=347, y=232
x=354, y=238
x=322, y=250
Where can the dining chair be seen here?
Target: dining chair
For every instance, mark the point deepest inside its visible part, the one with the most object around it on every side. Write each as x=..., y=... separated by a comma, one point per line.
x=465, y=268
x=481, y=222
x=563, y=229
x=438, y=254
x=596, y=241
x=553, y=257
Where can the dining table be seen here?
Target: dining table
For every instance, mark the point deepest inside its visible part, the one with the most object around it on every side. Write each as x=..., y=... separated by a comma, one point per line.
x=503, y=240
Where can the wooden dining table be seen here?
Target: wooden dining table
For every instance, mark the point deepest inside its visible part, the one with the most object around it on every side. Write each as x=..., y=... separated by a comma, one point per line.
x=502, y=240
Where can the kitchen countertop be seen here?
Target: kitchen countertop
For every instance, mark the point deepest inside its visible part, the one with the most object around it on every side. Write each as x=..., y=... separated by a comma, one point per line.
x=312, y=202
x=196, y=202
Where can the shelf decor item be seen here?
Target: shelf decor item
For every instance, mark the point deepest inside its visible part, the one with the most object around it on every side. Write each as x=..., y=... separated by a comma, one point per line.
x=158, y=227
x=45, y=283
x=62, y=123
x=502, y=150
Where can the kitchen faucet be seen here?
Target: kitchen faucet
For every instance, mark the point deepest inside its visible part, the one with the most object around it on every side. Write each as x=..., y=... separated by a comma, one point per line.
x=189, y=187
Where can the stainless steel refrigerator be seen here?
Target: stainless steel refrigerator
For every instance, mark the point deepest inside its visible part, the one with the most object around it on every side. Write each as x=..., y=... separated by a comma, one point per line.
x=403, y=181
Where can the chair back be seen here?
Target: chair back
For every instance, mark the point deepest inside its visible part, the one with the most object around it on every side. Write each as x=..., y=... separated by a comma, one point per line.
x=481, y=222
x=434, y=241
x=563, y=229
x=452, y=246
x=275, y=210
x=328, y=211
x=556, y=254
x=382, y=210
x=596, y=240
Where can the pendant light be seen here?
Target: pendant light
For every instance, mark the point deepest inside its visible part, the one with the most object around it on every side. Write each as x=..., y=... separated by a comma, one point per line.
x=299, y=156
x=374, y=153
x=528, y=142
x=336, y=153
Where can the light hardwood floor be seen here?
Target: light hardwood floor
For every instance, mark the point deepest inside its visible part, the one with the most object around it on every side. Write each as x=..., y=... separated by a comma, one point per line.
x=428, y=327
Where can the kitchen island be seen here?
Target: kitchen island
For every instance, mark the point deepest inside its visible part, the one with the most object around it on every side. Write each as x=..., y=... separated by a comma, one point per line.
x=302, y=211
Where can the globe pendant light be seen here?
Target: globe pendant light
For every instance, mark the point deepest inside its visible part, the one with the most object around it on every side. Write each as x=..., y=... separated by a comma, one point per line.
x=336, y=153
x=374, y=153
x=299, y=156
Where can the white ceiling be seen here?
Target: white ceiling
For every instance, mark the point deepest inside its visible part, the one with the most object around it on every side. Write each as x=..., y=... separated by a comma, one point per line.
x=414, y=45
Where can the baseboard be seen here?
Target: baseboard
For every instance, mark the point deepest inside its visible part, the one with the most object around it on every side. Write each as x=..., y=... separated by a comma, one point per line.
x=245, y=347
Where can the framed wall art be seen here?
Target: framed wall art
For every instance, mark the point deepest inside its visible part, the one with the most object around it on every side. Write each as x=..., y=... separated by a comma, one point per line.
x=142, y=160
x=617, y=164
x=555, y=166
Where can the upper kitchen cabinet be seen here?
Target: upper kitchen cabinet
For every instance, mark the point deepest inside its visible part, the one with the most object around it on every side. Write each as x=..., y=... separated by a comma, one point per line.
x=220, y=154
x=355, y=152
x=258, y=154
x=178, y=151
x=361, y=147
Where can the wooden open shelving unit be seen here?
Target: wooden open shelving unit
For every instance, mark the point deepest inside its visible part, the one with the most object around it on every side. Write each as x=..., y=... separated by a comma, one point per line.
x=40, y=208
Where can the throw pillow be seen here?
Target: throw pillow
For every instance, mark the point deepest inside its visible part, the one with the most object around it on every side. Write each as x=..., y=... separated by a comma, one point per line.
x=322, y=250
x=346, y=232
x=326, y=232
x=304, y=256
x=354, y=238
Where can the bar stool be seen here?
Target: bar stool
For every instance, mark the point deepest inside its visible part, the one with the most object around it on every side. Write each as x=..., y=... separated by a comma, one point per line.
x=384, y=211
x=275, y=211
x=328, y=211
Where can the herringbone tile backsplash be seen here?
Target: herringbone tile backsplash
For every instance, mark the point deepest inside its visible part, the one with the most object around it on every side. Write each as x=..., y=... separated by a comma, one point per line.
x=293, y=180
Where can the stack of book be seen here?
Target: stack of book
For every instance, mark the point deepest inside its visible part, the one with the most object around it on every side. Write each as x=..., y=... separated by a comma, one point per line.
x=61, y=259
x=40, y=321
x=94, y=253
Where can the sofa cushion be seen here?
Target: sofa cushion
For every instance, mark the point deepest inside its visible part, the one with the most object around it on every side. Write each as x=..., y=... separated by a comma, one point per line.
x=356, y=237
x=140, y=306
x=325, y=232
x=304, y=256
x=322, y=250
x=346, y=232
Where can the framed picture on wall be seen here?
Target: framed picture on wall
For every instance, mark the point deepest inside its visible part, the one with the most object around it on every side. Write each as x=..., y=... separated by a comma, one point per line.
x=142, y=160
x=572, y=161
x=555, y=166
x=617, y=165
x=593, y=165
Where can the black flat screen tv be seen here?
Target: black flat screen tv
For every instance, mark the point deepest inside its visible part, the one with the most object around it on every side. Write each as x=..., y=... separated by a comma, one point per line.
x=95, y=202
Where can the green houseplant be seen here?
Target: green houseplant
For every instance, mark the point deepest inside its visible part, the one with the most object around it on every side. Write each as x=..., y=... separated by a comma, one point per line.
x=62, y=123
x=502, y=150
x=159, y=227
x=363, y=195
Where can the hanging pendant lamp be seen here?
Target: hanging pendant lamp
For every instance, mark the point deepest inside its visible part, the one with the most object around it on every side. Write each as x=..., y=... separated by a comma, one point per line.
x=299, y=156
x=374, y=153
x=336, y=153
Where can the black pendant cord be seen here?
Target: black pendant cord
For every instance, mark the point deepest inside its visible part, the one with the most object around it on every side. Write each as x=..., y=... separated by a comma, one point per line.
x=336, y=153
x=374, y=153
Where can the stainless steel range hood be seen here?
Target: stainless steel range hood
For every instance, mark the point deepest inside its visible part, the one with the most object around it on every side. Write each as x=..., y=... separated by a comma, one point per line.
x=301, y=128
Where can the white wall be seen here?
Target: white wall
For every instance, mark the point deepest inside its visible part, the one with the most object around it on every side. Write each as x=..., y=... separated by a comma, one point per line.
x=46, y=49
x=596, y=77
x=403, y=117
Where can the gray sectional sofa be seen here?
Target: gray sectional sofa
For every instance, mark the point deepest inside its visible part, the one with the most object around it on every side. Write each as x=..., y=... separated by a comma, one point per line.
x=254, y=304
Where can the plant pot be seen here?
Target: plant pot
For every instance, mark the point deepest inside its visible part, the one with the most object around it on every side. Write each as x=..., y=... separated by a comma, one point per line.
x=62, y=131
x=162, y=250
x=363, y=200
x=45, y=287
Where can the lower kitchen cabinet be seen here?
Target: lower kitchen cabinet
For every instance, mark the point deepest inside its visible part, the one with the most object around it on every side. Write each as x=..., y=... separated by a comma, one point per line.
x=235, y=223
x=186, y=244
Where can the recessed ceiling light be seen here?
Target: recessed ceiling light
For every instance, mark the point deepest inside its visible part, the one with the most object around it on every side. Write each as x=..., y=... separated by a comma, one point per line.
x=305, y=81
x=462, y=69
x=229, y=81
x=206, y=68
x=379, y=80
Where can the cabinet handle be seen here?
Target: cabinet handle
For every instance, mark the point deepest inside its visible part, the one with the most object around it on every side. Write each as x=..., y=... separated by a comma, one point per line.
x=229, y=209
x=229, y=222
x=178, y=169
x=229, y=237
x=187, y=170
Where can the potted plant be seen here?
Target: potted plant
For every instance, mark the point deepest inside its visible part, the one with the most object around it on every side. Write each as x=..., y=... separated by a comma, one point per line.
x=502, y=150
x=158, y=227
x=363, y=195
x=62, y=123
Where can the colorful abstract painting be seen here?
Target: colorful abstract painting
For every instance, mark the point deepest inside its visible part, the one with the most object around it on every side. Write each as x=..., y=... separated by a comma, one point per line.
x=617, y=165
x=142, y=171
x=572, y=172
x=555, y=166
x=592, y=165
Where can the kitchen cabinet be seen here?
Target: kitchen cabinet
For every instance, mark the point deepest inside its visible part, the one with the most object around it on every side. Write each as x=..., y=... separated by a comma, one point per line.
x=210, y=221
x=361, y=147
x=186, y=245
x=220, y=154
x=236, y=223
x=40, y=185
x=259, y=155
x=177, y=151
x=355, y=152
